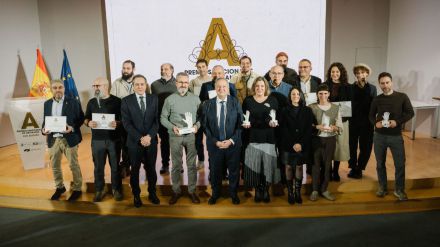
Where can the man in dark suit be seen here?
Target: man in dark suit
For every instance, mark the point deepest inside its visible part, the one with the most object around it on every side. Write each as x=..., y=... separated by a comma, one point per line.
x=140, y=120
x=307, y=82
x=65, y=142
x=208, y=88
x=222, y=121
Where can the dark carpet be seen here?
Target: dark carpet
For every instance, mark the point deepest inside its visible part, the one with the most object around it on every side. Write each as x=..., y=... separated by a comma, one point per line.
x=37, y=228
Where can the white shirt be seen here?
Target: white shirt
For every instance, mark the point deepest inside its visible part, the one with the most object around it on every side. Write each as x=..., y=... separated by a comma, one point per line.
x=305, y=86
x=57, y=107
x=139, y=100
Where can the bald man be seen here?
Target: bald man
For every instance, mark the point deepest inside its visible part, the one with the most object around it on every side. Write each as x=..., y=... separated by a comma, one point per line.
x=105, y=138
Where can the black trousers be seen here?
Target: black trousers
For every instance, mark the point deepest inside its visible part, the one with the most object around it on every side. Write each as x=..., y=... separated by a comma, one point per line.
x=123, y=150
x=361, y=135
x=199, y=145
x=164, y=145
x=101, y=149
x=219, y=159
x=148, y=155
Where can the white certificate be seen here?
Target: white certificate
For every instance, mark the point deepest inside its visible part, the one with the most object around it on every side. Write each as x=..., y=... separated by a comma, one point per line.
x=55, y=123
x=344, y=108
x=103, y=120
x=212, y=94
x=310, y=98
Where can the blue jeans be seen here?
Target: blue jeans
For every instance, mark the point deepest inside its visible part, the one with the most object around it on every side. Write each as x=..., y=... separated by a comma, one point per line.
x=395, y=143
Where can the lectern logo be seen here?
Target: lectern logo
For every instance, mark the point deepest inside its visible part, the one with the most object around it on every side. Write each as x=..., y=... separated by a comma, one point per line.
x=230, y=50
x=29, y=121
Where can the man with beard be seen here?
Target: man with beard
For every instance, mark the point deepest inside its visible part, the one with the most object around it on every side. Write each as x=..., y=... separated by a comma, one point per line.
x=243, y=81
x=164, y=87
x=208, y=89
x=388, y=112
x=180, y=111
x=360, y=128
x=194, y=86
x=122, y=87
x=65, y=142
x=105, y=142
x=290, y=75
x=140, y=119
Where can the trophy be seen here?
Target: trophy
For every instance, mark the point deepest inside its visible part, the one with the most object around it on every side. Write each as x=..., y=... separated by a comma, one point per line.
x=189, y=122
x=325, y=121
x=386, y=120
x=246, y=118
x=273, y=116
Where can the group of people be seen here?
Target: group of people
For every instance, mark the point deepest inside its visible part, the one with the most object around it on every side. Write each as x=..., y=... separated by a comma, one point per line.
x=263, y=129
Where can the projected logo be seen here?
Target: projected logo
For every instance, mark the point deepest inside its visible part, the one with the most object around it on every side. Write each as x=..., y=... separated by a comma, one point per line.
x=229, y=51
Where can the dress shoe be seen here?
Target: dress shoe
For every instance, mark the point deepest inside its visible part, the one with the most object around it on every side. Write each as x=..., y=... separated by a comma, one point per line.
x=266, y=196
x=164, y=170
x=137, y=201
x=235, y=199
x=212, y=200
x=117, y=195
x=355, y=173
x=58, y=193
x=152, y=197
x=336, y=176
x=75, y=195
x=194, y=198
x=174, y=198
x=99, y=195
x=258, y=194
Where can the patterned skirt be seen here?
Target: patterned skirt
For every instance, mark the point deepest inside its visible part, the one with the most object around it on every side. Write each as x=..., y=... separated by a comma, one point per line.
x=261, y=165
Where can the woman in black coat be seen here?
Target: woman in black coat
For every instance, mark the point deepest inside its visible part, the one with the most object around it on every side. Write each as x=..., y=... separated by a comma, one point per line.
x=296, y=121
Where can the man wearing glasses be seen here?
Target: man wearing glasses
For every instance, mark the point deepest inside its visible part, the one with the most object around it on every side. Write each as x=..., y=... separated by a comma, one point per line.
x=276, y=84
x=105, y=136
x=307, y=82
x=290, y=75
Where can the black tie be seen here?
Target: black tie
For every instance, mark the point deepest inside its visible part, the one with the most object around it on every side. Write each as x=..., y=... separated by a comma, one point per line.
x=222, y=122
x=142, y=104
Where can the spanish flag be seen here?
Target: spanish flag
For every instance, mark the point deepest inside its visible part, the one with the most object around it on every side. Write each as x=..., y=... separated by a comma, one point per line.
x=41, y=82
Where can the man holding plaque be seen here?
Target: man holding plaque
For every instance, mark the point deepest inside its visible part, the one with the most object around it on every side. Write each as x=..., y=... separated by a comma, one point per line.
x=103, y=115
x=388, y=112
x=179, y=116
x=67, y=113
x=223, y=139
x=140, y=120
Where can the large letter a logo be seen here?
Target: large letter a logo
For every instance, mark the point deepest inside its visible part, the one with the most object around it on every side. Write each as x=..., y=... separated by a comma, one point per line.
x=217, y=28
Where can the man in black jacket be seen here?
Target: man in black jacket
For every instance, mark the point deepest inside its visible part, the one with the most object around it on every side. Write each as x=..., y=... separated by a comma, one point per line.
x=65, y=142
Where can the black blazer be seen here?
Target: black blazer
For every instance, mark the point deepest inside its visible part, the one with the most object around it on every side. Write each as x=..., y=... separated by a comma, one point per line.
x=208, y=86
x=296, y=129
x=136, y=124
x=234, y=120
x=314, y=83
x=74, y=117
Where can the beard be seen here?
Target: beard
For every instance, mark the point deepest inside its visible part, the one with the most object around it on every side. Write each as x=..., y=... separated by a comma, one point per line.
x=182, y=90
x=126, y=76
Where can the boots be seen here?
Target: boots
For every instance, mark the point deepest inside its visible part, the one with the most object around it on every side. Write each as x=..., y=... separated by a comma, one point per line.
x=290, y=194
x=258, y=194
x=335, y=172
x=266, y=196
x=298, y=184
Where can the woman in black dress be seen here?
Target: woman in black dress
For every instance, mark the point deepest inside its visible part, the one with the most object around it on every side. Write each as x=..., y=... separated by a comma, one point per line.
x=260, y=169
x=340, y=90
x=296, y=121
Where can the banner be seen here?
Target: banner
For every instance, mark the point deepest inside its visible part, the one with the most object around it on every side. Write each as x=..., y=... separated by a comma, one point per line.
x=26, y=116
x=179, y=32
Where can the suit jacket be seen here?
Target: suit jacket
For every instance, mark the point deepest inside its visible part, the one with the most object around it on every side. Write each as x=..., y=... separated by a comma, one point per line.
x=314, y=82
x=137, y=124
x=74, y=117
x=233, y=121
x=208, y=86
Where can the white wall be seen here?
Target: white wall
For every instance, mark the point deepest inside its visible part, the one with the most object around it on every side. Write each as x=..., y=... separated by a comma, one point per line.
x=357, y=31
x=414, y=52
x=20, y=34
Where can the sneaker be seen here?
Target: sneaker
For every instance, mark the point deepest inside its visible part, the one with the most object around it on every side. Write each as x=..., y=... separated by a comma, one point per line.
x=200, y=165
x=75, y=195
x=328, y=196
x=401, y=195
x=314, y=196
x=58, y=193
x=99, y=195
x=381, y=192
x=117, y=195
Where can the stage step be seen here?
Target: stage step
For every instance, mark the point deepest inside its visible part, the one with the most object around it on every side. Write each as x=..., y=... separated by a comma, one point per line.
x=352, y=198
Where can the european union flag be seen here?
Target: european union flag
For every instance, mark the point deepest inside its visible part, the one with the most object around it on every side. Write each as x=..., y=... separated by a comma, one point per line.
x=66, y=76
